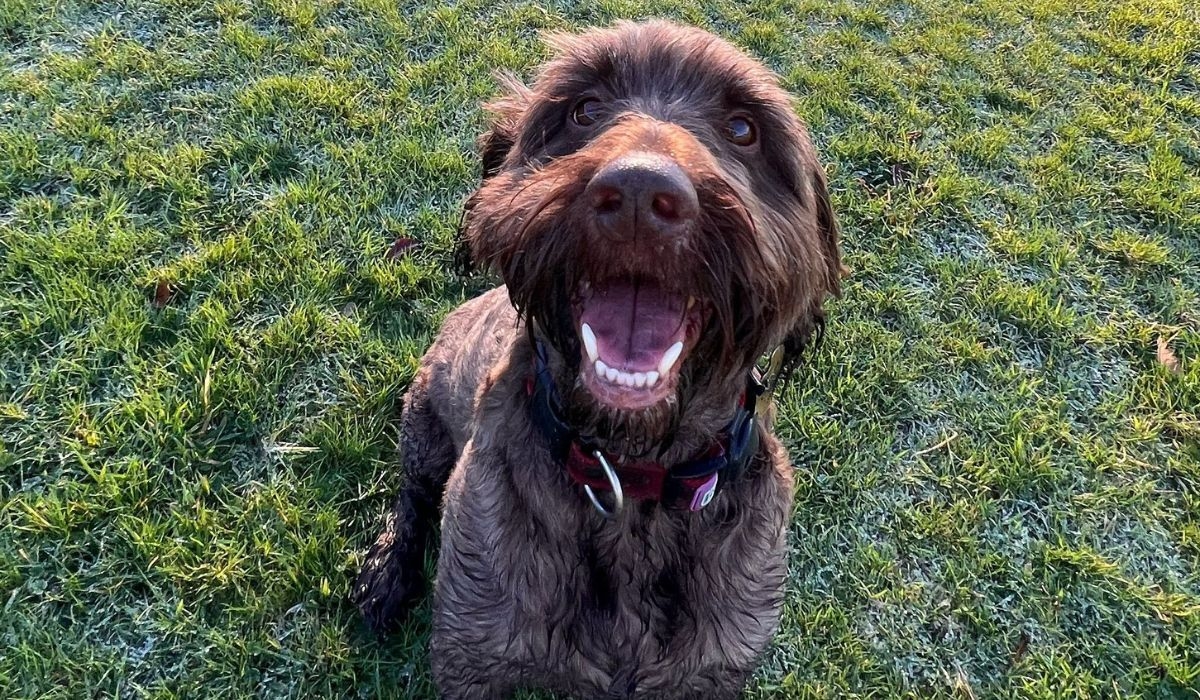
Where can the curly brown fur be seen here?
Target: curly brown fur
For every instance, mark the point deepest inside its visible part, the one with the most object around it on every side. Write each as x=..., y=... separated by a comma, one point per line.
x=534, y=587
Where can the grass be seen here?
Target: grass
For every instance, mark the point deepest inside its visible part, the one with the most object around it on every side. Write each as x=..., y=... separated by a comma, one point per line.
x=203, y=341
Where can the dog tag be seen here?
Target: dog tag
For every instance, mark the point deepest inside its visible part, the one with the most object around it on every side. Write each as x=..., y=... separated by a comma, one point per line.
x=704, y=494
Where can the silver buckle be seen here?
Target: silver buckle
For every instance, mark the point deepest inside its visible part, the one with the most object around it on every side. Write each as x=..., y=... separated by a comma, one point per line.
x=618, y=495
x=767, y=369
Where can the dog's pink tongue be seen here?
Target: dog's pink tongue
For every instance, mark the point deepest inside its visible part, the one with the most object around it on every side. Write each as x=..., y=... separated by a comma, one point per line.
x=634, y=323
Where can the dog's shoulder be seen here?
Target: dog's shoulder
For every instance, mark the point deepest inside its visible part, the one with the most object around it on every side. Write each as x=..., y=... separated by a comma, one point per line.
x=474, y=339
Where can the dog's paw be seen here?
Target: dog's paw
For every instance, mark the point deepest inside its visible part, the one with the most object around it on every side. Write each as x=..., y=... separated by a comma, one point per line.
x=387, y=588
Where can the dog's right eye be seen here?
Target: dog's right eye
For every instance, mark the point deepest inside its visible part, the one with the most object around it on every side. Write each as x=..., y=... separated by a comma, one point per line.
x=741, y=131
x=587, y=112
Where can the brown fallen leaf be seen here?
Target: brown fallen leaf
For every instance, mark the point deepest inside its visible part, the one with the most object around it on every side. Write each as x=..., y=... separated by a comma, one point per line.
x=1019, y=652
x=162, y=294
x=1166, y=356
x=400, y=247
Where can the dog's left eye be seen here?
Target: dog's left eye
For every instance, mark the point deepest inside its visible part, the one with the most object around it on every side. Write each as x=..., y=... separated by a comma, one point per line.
x=741, y=131
x=587, y=112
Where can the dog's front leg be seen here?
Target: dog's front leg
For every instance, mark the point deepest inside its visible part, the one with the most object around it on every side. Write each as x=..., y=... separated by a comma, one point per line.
x=392, y=577
x=472, y=613
x=506, y=591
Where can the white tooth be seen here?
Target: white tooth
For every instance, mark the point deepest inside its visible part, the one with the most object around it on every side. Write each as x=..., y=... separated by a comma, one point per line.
x=669, y=357
x=601, y=368
x=611, y=374
x=651, y=378
x=624, y=379
x=691, y=302
x=639, y=379
x=589, y=342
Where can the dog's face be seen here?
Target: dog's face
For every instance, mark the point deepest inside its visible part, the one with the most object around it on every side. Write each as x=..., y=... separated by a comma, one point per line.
x=658, y=213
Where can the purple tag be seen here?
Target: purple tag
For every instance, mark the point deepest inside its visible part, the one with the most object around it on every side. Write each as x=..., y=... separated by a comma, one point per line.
x=704, y=494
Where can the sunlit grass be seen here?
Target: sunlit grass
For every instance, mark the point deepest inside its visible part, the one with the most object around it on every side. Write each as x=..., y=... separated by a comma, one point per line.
x=203, y=341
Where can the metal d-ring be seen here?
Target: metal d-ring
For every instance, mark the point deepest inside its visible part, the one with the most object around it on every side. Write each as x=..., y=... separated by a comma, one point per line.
x=769, y=374
x=618, y=494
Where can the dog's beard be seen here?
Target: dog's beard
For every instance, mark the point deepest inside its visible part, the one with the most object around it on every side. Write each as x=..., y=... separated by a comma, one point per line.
x=556, y=262
x=550, y=251
x=637, y=434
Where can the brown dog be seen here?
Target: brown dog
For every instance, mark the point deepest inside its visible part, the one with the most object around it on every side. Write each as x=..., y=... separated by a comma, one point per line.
x=661, y=222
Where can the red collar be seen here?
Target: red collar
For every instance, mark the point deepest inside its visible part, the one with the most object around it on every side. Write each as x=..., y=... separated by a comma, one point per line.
x=688, y=485
x=651, y=481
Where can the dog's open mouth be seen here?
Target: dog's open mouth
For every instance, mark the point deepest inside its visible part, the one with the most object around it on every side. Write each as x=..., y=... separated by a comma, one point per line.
x=634, y=335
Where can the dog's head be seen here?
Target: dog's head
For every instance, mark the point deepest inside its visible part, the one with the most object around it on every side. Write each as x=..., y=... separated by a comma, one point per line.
x=658, y=215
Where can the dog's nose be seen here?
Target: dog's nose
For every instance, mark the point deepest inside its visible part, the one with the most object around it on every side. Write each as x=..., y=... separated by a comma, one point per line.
x=642, y=190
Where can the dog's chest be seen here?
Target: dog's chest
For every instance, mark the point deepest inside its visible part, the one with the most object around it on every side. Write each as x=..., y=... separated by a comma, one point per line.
x=646, y=612
x=635, y=572
x=633, y=602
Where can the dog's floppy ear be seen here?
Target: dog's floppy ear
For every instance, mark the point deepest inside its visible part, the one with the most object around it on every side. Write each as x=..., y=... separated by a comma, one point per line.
x=810, y=331
x=828, y=229
x=494, y=146
x=506, y=110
